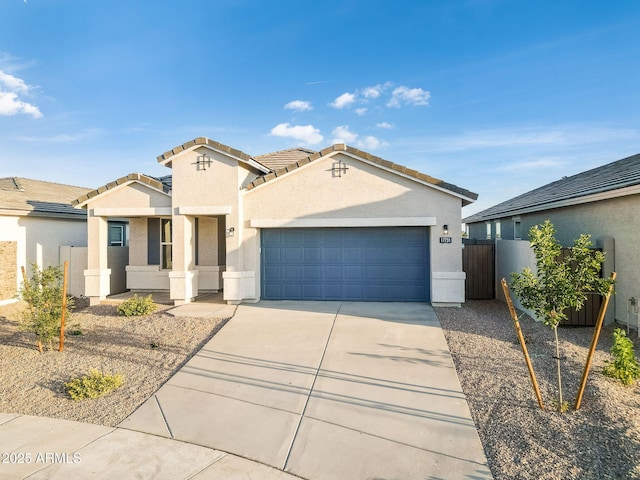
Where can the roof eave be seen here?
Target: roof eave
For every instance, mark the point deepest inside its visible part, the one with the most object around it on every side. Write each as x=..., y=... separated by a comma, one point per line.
x=152, y=183
x=167, y=158
x=589, y=198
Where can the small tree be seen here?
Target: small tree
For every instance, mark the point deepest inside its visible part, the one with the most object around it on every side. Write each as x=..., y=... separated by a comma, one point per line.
x=559, y=284
x=43, y=295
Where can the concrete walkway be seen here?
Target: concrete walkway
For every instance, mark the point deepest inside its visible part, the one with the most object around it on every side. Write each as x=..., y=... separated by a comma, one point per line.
x=324, y=390
x=37, y=448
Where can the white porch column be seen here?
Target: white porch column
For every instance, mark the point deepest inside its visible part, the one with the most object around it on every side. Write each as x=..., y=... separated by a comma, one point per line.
x=183, y=279
x=96, y=277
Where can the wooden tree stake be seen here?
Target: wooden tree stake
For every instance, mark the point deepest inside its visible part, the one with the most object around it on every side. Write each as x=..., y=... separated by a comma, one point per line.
x=64, y=304
x=594, y=341
x=514, y=315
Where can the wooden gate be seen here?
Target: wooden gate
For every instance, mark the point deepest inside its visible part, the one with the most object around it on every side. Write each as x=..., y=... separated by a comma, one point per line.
x=588, y=315
x=478, y=262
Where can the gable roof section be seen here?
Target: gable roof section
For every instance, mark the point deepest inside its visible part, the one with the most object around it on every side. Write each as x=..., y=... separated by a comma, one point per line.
x=283, y=158
x=568, y=191
x=24, y=196
x=465, y=194
x=167, y=157
x=162, y=185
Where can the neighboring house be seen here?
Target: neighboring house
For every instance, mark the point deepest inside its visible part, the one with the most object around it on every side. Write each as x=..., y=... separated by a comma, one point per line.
x=603, y=202
x=296, y=224
x=36, y=218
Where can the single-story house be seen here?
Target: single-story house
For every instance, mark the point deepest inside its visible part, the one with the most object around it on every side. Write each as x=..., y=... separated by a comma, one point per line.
x=36, y=218
x=295, y=224
x=603, y=202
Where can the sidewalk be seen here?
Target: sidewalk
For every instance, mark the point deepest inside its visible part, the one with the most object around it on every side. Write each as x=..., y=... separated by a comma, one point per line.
x=38, y=448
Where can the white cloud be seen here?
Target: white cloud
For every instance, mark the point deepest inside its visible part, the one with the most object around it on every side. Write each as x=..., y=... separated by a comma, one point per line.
x=344, y=100
x=342, y=134
x=10, y=102
x=361, y=111
x=370, y=143
x=385, y=125
x=298, y=106
x=307, y=134
x=376, y=90
x=408, y=96
x=371, y=92
x=11, y=105
x=13, y=84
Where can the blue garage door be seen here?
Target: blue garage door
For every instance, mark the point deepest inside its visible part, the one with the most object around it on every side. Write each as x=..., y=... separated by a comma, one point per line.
x=360, y=264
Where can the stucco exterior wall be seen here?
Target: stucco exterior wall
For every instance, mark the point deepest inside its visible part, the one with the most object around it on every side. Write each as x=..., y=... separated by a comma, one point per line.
x=614, y=226
x=615, y=218
x=38, y=240
x=364, y=191
x=133, y=195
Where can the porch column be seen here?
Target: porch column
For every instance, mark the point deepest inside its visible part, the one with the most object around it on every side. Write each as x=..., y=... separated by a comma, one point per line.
x=96, y=277
x=183, y=278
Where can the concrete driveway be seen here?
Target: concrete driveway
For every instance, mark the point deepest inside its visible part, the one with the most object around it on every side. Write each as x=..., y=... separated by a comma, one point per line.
x=325, y=390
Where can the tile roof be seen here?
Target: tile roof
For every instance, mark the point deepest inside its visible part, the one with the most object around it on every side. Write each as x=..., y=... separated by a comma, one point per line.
x=283, y=158
x=163, y=184
x=36, y=197
x=166, y=157
x=274, y=165
x=607, y=178
x=371, y=158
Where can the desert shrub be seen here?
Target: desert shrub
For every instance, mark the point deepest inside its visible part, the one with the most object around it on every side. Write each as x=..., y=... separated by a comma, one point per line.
x=624, y=365
x=43, y=296
x=137, y=306
x=93, y=385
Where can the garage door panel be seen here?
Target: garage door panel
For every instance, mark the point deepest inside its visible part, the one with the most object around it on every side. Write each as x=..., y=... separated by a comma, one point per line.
x=332, y=255
x=368, y=264
x=312, y=273
x=292, y=274
x=332, y=273
x=312, y=254
x=332, y=292
x=353, y=292
x=293, y=291
x=352, y=272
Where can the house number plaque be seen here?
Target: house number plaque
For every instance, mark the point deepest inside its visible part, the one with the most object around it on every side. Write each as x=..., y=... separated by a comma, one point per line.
x=445, y=240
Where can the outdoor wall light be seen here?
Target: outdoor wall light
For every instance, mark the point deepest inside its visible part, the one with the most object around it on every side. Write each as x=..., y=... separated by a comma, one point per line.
x=338, y=168
x=231, y=231
x=203, y=162
x=445, y=229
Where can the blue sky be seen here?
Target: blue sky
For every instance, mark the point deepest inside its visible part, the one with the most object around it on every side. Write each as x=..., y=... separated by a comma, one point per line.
x=496, y=96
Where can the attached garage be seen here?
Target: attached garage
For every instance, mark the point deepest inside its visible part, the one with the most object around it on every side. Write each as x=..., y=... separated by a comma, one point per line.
x=389, y=264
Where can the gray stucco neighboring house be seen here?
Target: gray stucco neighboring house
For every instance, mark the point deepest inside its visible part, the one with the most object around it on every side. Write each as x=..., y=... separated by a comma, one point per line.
x=603, y=202
x=295, y=224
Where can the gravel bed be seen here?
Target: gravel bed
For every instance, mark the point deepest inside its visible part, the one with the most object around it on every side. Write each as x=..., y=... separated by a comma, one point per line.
x=521, y=441
x=146, y=350
x=600, y=441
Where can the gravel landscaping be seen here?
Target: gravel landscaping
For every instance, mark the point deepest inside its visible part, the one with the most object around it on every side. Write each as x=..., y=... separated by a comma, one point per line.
x=146, y=350
x=599, y=441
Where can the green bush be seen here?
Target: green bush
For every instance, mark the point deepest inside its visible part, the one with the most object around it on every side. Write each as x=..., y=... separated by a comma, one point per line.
x=43, y=296
x=93, y=385
x=624, y=366
x=137, y=306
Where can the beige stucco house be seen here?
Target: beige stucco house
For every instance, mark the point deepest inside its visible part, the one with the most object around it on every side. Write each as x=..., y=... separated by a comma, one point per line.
x=296, y=224
x=36, y=219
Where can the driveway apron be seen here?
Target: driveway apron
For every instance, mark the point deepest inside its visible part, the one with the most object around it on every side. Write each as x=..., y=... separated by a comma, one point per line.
x=325, y=390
